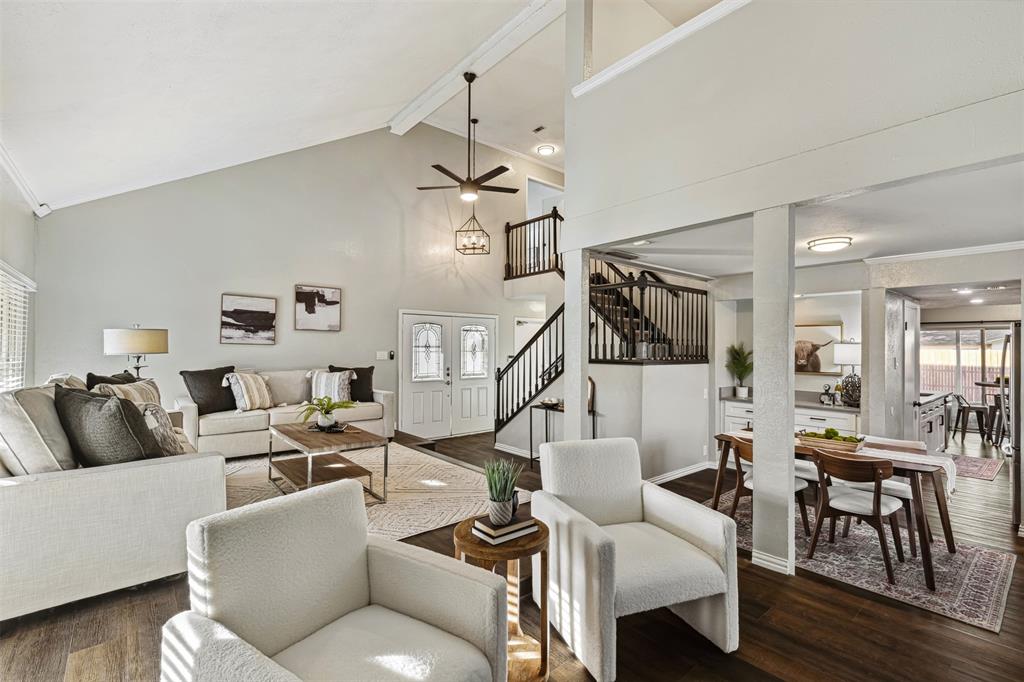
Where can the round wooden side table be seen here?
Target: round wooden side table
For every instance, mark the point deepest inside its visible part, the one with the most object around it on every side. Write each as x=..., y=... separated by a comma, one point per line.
x=522, y=662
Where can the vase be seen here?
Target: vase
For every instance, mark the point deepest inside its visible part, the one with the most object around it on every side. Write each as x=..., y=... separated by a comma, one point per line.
x=742, y=391
x=500, y=512
x=326, y=421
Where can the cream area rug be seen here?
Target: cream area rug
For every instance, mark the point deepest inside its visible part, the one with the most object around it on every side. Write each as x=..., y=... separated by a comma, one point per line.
x=424, y=492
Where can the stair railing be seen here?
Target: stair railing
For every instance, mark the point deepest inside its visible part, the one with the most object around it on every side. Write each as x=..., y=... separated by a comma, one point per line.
x=531, y=247
x=537, y=364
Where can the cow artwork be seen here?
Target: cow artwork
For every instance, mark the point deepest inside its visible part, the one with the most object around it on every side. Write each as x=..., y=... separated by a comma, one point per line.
x=812, y=352
x=806, y=358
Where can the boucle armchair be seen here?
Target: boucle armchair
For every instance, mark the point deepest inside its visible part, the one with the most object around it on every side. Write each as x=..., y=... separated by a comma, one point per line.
x=620, y=545
x=294, y=589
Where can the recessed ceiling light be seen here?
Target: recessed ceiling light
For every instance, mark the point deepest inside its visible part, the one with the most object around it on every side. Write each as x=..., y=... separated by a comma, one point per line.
x=641, y=242
x=826, y=244
x=546, y=149
x=977, y=300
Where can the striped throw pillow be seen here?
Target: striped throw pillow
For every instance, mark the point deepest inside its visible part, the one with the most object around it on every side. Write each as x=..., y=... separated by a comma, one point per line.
x=251, y=391
x=144, y=391
x=334, y=385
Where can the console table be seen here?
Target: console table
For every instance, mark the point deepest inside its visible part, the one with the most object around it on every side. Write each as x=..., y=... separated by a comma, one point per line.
x=559, y=408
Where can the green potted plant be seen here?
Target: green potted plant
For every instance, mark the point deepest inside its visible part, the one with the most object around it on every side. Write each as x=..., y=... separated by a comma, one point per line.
x=502, y=475
x=324, y=409
x=739, y=362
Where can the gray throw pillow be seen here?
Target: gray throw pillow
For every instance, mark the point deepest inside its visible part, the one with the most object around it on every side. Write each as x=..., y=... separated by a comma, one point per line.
x=104, y=430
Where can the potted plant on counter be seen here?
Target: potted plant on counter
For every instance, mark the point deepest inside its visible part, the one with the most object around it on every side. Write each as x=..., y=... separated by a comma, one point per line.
x=502, y=476
x=739, y=362
x=324, y=409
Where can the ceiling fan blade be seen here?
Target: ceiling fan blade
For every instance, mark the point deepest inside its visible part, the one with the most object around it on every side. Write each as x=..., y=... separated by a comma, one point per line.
x=506, y=190
x=440, y=187
x=441, y=169
x=490, y=175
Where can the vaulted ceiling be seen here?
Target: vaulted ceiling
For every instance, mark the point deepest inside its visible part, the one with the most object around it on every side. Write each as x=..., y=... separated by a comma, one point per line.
x=98, y=98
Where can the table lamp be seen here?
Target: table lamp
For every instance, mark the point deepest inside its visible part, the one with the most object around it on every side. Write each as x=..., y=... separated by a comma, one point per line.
x=848, y=353
x=135, y=343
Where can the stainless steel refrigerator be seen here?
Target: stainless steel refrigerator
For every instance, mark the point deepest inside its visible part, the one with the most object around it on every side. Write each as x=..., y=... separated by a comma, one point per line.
x=1015, y=419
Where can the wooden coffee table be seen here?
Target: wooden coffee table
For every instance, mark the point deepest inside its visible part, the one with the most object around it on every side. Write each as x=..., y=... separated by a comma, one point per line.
x=522, y=659
x=323, y=462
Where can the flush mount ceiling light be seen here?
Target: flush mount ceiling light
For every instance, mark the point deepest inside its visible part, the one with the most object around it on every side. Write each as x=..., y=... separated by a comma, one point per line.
x=964, y=291
x=546, y=149
x=976, y=301
x=826, y=244
x=641, y=242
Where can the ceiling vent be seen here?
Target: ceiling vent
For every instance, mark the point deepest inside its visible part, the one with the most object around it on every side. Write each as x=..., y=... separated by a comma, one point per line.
x=538, y=130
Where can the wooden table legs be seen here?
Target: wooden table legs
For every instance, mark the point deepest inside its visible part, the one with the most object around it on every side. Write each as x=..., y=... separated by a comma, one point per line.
x=922, y=529
x=940, y=501
x=723, y=460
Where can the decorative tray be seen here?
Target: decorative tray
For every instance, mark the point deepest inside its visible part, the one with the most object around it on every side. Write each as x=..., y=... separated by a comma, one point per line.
x=333, y=428
x=829, y=443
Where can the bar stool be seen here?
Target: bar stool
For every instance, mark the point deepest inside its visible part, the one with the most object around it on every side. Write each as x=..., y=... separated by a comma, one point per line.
x=964, y=411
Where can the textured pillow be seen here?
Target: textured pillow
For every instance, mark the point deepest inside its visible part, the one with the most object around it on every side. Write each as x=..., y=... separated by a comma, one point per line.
x=32, y=439
x=204, y=385
x=67, y=381
x=162, y=429
x=144, y=391
x=251, y=391
x=362, y=382
x=333, y=385
x=104, y=430
x=125, y=377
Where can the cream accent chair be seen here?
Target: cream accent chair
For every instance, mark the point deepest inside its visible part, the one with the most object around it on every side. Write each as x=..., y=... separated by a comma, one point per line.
x=294, y=589
x=621, y=545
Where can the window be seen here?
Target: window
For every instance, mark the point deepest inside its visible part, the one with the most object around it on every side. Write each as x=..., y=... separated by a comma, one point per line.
x=427, y=357
x=14, y=307
x=955, y=359
x=474, y=352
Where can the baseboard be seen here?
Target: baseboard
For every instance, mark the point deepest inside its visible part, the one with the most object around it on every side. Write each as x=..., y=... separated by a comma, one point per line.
x=678, y=473
x=512, y=450
x=771, y=562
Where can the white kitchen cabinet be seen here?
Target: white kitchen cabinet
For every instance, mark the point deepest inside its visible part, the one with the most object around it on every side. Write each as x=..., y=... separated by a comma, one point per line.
x=737, y=416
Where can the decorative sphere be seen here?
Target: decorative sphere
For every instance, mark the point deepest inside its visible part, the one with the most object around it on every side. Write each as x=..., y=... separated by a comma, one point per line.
x=851, y=390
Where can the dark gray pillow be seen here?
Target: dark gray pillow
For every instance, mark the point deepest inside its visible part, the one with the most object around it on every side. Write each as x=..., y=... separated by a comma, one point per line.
x=362, y=385
x=103, y=429
x=208, y=393
x=124, y=377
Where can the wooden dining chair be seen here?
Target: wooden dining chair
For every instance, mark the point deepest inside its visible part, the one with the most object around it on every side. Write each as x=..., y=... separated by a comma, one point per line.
x=743, y=452
x=870, y=507
x=964, y=411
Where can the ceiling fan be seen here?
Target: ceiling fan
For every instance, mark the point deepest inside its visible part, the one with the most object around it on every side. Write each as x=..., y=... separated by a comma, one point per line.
x=470, y=187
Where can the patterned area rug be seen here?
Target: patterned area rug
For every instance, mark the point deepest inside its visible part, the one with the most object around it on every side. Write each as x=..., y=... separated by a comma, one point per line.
x=985, y=468
x=970, y=586
x=424, y=492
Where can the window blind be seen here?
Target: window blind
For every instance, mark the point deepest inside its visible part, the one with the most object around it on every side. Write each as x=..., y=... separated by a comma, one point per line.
x=15, y=300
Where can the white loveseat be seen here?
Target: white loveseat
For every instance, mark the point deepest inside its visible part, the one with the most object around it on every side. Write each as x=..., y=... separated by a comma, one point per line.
x=235, y=433
x=620, y=545
x=293, y=589
x=72, y=533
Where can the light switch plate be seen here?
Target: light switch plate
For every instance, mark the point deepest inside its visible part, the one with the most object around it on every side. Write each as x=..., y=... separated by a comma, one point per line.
x=382, y=355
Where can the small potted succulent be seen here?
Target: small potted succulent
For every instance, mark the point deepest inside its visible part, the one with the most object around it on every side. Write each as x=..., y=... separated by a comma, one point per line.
x=739, y=362
x=324, y=409
x=502, y=475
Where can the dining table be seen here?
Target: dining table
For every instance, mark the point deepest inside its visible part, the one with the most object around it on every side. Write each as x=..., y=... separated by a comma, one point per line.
x=915, y=465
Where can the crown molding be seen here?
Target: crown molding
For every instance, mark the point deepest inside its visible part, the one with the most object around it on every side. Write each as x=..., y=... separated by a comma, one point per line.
x=660, y=44
x=7, y=163
x=948, y=253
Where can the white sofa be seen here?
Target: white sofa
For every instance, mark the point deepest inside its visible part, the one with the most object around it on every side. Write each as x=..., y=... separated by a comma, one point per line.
x=235, y=433
x=68, y=534
x=621, y=545
x=294, y=589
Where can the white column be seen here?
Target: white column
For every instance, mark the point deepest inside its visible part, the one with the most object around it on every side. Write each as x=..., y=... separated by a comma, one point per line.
x=576, y=340
x=872, y=391
x=774, y=384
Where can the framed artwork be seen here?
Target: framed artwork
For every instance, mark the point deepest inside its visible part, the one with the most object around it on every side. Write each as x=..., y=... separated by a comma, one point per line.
x=317, y=308
x=813, y=349
x=248, y=319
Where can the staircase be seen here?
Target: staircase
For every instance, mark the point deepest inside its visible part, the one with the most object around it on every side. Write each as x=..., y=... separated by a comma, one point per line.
x=634, y=319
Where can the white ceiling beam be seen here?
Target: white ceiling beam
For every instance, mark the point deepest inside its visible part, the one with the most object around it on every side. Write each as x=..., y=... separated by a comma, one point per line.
x=7, y=163
x=534, y=18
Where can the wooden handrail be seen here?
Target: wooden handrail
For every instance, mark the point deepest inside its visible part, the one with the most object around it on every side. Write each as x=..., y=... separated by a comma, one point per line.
x=526, y=346
x=529, y=221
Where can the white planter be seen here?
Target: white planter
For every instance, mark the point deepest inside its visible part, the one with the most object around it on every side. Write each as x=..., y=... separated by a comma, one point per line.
x=325, y=421
x=742, y=391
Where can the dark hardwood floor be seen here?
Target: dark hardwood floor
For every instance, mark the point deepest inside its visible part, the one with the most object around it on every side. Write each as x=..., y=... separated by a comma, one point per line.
x=802, y=627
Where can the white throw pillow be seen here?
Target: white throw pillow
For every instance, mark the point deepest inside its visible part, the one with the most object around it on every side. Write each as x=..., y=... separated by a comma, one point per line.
x=334, y=385
x=144, y=391
x=251, y=391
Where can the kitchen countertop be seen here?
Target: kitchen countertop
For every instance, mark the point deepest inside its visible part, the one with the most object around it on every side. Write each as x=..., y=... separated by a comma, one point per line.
x=929, y=398
x=804, y=399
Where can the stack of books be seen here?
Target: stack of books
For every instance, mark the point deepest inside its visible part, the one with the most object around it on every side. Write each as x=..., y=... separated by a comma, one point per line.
x=520, y=525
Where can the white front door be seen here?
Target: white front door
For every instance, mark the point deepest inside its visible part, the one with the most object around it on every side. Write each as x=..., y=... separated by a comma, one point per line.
x=473, y=374
x=447, y=375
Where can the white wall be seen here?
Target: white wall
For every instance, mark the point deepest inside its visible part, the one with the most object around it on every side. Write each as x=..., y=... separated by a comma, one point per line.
x=17, y=228
x=622, y=27
x=675, y=418
x=782, y=102
x=344, y=213
x=971, y=313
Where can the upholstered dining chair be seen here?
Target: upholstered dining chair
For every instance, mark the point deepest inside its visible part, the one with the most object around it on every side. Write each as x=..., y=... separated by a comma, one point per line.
x=871, y=507
x=293, y=589
x=620, y=545
x=743, y=452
